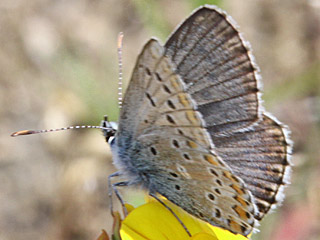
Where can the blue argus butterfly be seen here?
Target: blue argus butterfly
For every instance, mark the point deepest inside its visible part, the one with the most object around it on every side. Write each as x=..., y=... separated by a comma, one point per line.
x=192, y=127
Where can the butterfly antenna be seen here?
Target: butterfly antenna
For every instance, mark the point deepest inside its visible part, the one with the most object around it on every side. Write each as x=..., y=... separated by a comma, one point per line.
x=29, y=132
x=120, y=37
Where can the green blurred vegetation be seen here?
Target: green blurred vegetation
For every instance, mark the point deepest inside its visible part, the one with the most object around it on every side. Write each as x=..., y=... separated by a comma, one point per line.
x=300, y=86
x=151, y=13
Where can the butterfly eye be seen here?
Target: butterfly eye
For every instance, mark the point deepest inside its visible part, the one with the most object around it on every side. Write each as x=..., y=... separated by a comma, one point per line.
x=111, y=140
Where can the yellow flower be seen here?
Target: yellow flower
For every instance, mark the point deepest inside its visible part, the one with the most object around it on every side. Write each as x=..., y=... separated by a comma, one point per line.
x=152, y=221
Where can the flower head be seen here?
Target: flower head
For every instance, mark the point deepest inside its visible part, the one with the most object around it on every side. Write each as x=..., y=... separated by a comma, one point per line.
x=153, y=221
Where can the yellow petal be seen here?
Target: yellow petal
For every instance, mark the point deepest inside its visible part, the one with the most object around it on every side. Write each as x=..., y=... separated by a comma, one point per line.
x=153, y=221
x=223, y=234
x=204, y=236
x=129, y=207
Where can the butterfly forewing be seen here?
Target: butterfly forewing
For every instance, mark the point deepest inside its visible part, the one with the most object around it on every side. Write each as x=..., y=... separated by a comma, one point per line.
x=170, y=141
x=136, y=96
x=213, y=59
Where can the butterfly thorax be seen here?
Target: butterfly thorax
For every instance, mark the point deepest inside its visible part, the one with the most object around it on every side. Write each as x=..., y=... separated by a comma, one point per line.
x=123, y=151
x=120, y=153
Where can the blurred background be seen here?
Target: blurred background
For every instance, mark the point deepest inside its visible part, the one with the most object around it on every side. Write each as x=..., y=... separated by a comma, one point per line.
x=58, y=67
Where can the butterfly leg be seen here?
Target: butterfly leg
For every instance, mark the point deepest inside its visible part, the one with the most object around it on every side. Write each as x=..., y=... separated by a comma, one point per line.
x=173, y=213
x=112, y=188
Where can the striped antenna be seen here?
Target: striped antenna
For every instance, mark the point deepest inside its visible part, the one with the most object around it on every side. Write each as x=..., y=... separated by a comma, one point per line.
x=120, y=37
x=29, y=132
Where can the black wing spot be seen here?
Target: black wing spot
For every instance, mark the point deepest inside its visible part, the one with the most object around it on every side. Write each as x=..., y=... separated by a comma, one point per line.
x=175, y=143
x=217, y=191
x=218, y=181
x=243, y=229
x=180, y=132
x=235, y=179
x=158, y=77
x=171, y=105
x=153, y=151
x=186, y=156
x=218, y=213
x=173, y=174
x=213, y=172
x=150, y=99
x=166, y=89
x=211, y=197
x=170, y=119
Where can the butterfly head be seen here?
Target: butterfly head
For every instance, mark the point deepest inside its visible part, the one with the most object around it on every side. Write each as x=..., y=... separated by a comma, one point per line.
x=109, y=129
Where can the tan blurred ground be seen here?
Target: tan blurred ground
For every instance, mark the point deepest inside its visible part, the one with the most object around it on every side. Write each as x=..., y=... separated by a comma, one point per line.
x=58, y=67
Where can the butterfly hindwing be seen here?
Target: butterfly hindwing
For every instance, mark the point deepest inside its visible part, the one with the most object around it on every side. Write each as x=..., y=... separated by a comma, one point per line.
x=260, y=156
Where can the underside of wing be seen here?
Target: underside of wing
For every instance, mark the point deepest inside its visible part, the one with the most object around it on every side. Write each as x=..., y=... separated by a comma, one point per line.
x=216, y=64
x=172, y=150
x=195, y=179
x=157, y=98
x=192, y=120
x=260, y=157
x=135, y=99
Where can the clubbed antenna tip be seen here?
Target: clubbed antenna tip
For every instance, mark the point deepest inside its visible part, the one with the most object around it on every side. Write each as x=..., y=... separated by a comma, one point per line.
x=23, y=132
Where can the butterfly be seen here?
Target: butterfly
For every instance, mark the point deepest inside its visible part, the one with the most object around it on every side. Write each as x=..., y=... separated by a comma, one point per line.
x=192, y=127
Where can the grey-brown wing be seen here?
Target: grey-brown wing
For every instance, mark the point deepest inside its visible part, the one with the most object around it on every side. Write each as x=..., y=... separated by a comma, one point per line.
x=196, y=179
x=162, y=137
x=259, y=156
x=214, y=61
